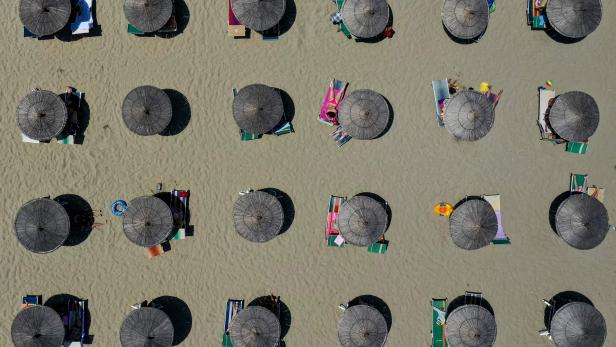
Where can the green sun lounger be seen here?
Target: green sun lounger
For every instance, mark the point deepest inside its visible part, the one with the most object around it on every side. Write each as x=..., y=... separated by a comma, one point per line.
x=577, y=147
x=379, y=247
x=579, y=183
x=439, y=309
x=343, y=27
x=133, y=30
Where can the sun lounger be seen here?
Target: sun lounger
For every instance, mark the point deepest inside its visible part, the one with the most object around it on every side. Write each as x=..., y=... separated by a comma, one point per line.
x=579, y=183
x=246, y=136
x=597, y=193
x=473, y=298
x=133, y=30
x=235, y=28
x=157, y=250
x=577, y=147
x=338, y=86
x=331, y=226
x=75, y=324
x=31, y=300
x=500, y=238
x=379, y=247
x=545, y=95
x=84, y=21
x=179, y=202
x=340, y=136
x=492, y=5
x=439, y=310
x=271, y=34
x=536, y=17
x=233, y=308
x=441, y=93
x=343, y=28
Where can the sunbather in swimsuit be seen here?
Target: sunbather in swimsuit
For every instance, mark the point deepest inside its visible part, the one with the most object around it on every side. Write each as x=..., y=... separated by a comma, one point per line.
x=333, y=102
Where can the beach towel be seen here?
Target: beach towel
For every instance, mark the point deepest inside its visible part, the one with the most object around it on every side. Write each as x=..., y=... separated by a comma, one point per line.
x=545, y=95
x=439, y=310
x=343, y=28
x=157, y=250
x=500, y=238
x=84, y=21
x=340, y=136
x=338, y=87
x=285, y=128
x=235, y=28
x=579, y=183
x=597, y=193
x=31, y=300
x=331, y=227
x=577, y=147
x=536, y=17
x=441, y=93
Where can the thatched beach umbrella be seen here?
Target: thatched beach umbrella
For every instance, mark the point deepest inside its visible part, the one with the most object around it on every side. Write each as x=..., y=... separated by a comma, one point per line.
x=255, y=326
x=465, y=19
x=574, y=18
x=148, y=15
x=473, y=224
x=365, y=18
x=147, y=110
x=582, y=221
x=42, y=115
x=578, y=324
x=469, y=115
x=259, y=15
x=44, y=17
x=37, y=326
x=574, y=116
x=258, y=216
x=362, y=220
x=470, y=325
x=146, y=326
x=147, y=221
x=364, y=114
x=42, y=225
x=362, y=326
x=257, y=108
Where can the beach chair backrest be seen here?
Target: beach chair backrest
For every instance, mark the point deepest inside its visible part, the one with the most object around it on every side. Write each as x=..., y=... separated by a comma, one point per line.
x=473, y=298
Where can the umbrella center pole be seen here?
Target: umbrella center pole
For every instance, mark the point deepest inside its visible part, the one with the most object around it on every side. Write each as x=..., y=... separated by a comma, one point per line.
x=41, y=115
x=40, y=229
x=36, y=336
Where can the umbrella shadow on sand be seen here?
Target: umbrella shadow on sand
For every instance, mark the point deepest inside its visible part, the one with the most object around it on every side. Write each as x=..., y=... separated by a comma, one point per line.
x=468, y=198
x=288, y=19
x=390, y=121
x=554, y=208
x=80, y=215
x=462, y=300
x=66, y=34
x=382, y=202
x=561, y=299
x=78, y=117
x=180, y=113
x=289, y=107
x=176, y=211
x=182, y=17
x=374, y=302
x=284, y=315
x=554, y=35
x=288, y=208
x=179, y=314
x=60, y=304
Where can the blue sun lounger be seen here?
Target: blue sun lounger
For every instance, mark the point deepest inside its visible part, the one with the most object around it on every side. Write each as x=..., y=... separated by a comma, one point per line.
x=441, y=93
x=234, y=306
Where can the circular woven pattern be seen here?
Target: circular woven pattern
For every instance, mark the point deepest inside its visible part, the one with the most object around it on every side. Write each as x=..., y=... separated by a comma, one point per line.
x=259, y=15
x=364, y=114
x=42, y=225
x=466, y=19
x=41, y=115
x=469, y=115
x=574, y=116
x=257, y=108
x=36, y=326
x=146, y=327
x=473, y=224
x=582, y=221
x=44, y=17
x=362, y=220
x=365, y=18
x=148, y=15
x=470, y=326
x=362, y=326
x=574, y=18
x=258, y=216
x=147, y=221
x=578, y=324
x=147, y=110
x=255, y=326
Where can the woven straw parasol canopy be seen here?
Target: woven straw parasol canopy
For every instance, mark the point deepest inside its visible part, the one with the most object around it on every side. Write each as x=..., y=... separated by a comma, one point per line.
x=574, y=116
x=582, y=221
x=362, y=220
x=42, y=225
x=148, y=15
x=473, y=224
x=364, y=114
x=41, y=115
x=578, y=324
x=147, y=221
x=255, y=326
x=258, y=216
x=470, y=326
x=362, y=326
x=574, y=18
x=469, y=115
x=365, y=18
x=37, y=326
x=259, y=15
x=44, y=17
x=465, y=19
x=257, y=108
x=146, y=326
x=147, y=110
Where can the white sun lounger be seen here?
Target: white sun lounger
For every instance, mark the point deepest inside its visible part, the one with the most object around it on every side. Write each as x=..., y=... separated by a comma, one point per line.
x=545, y=95
x=84, y=22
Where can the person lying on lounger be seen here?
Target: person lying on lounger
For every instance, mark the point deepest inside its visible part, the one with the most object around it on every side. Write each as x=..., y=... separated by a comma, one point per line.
x=333, y=101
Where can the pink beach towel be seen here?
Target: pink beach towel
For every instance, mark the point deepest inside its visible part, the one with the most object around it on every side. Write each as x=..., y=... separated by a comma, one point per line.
x=332, y=215
x=338, y=86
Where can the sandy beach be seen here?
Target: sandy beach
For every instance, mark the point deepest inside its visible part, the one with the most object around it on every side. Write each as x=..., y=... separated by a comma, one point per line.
x=413, y=166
